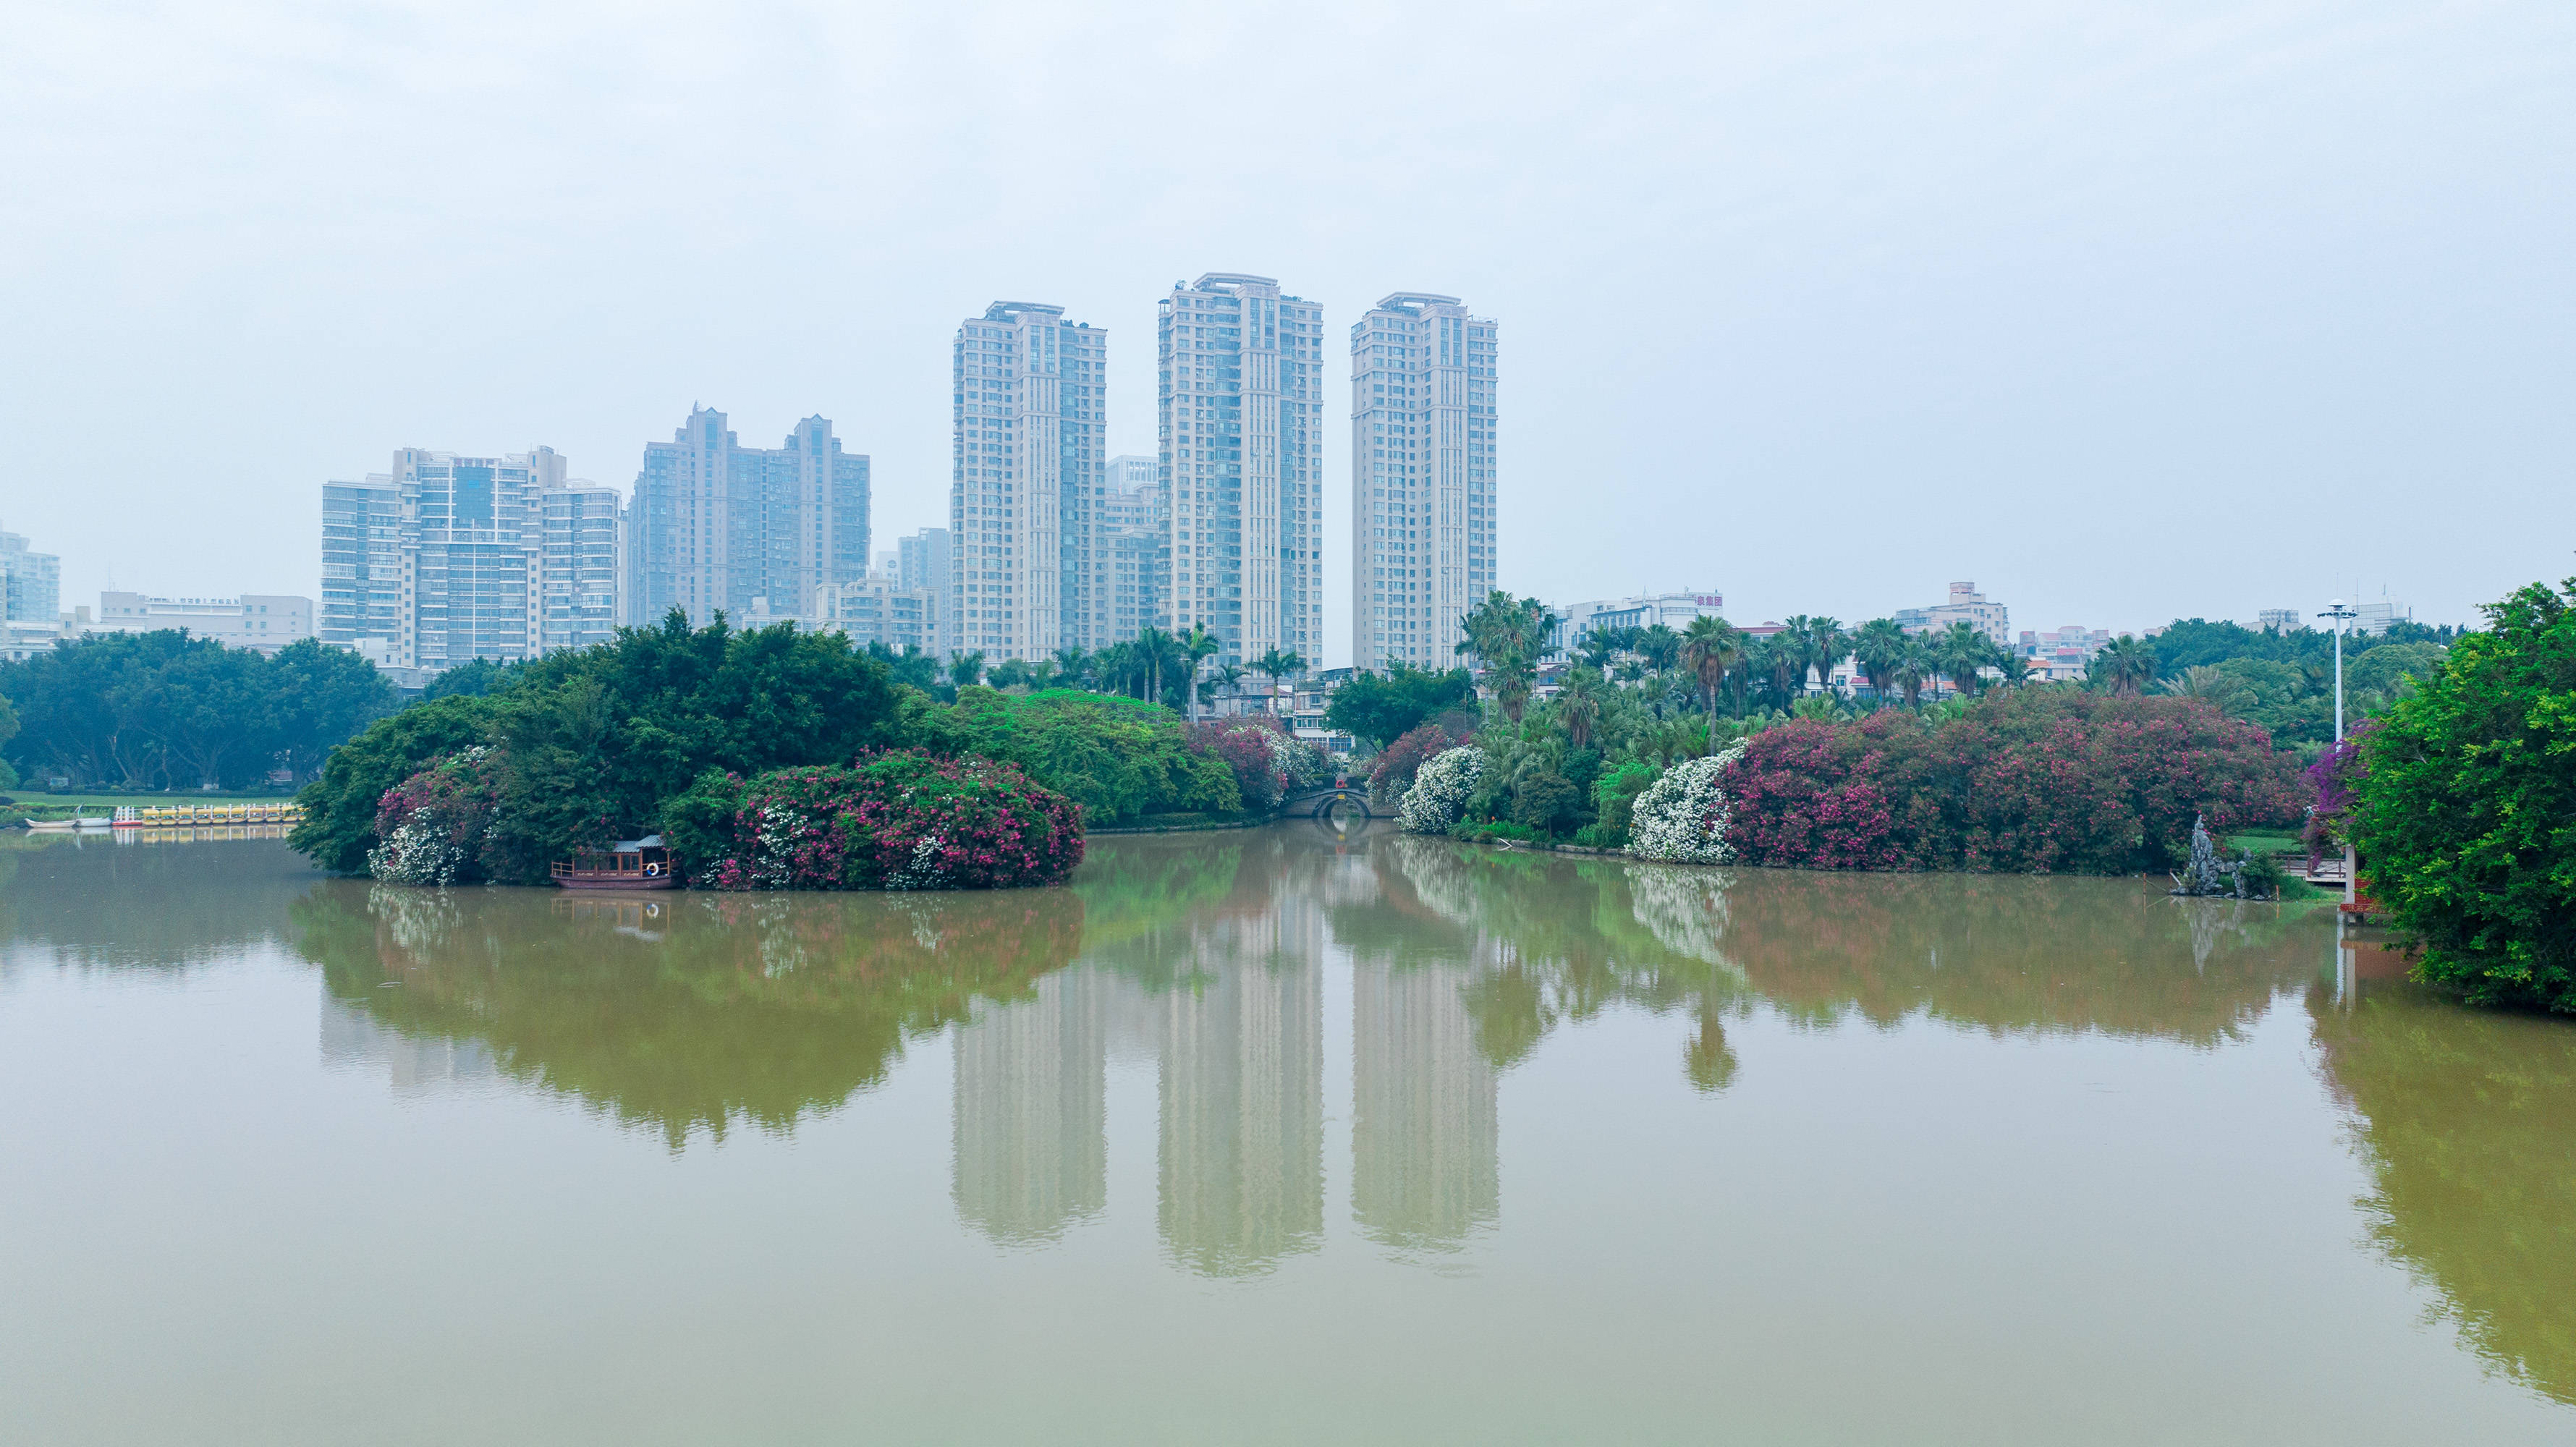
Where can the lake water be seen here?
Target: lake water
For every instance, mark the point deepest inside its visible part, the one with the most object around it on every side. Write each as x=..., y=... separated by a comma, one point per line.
x=1277, y=1136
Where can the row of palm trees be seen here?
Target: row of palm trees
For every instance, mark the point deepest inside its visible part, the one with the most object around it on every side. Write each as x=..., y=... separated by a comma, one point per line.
x=1716, y=656
x=1147, y=666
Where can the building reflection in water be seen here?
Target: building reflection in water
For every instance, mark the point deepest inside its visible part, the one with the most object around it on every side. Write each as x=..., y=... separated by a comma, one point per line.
x=1029, y=1127
x=352, y=1040
x=1240, y=1163
x=1425, y=1143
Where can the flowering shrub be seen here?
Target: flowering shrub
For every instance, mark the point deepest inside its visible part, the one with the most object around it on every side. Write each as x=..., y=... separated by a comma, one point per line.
x=1440, y=790
x=439, y=826
x=892, y=821
x=1683, y=818
x=2031, y=781
x=1269, y=763
x=2337, y=777
x=1399, y=762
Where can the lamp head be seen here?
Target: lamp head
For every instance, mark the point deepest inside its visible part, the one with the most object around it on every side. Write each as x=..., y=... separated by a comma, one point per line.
x=2336, y=605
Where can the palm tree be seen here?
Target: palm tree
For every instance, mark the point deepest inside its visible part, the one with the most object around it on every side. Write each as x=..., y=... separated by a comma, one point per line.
x=1825, y=643
x=1114, y=667
x=1275, y=665
x=1660, y=646
x=2125, y=665
x=1710, y=646
x=1600, y=646
x=1579, y=708
x=966, y=669
x=1876, y=646
x=1961, y=650
x=1507, y=639
x=1157, y=651
x=2015, y=668
x=1200, y=645
x=1912, y=670
x=1073, y=664
x=1229, y=677
x=1630, y=671
x=1786, y=659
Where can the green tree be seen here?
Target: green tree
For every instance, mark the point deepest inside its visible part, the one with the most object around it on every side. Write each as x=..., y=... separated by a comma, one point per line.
x=1384, y=707
x=1507, y=639
x=2124, y=666
x=966, y=669
x=323, y=696
x=1878, y=646
x=1659, y=646
x=1198, y=646
x=1824, y=643
x=1276, y=665
x=1710, y=646
x=1912, y=669
x=2465, y=824
x=1960, y=650
x=474, y=678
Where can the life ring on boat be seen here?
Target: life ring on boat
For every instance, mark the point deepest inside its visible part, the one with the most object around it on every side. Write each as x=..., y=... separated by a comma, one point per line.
x=651, y=870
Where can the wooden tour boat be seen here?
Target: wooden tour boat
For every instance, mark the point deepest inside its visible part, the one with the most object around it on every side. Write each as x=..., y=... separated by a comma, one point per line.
x=628, y=864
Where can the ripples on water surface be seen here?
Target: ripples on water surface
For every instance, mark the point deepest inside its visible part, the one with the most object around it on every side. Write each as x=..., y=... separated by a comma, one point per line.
x=1269, y=1136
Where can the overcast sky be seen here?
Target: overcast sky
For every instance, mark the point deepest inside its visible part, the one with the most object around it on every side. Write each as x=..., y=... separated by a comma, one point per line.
x=2126, y=312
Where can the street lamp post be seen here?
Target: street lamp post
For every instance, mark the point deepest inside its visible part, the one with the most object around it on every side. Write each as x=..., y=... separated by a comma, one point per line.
x=2340, y=612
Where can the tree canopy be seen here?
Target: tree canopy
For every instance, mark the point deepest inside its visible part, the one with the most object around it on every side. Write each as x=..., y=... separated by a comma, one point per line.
x=1384, y=707
x=166, y=710
x=2465, y=821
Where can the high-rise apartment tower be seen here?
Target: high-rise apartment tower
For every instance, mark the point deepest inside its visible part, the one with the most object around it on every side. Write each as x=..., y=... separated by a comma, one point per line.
x=1240, y=399
x=715, y=524
x=1422, y=477
x=1031, y=438
x=449, y=558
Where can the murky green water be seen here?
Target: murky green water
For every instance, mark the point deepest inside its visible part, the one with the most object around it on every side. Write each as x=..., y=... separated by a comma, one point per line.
x=1272, y=1137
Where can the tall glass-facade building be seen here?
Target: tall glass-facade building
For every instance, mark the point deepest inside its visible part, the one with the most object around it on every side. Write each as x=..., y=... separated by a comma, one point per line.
x=449, y=558
x=1422, y=478
x=714, y=524
x=1025, y=487
x=1239, y=393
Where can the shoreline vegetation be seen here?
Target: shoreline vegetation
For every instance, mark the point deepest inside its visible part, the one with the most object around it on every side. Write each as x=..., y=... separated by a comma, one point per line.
x=772, y=758
x=2457, y=786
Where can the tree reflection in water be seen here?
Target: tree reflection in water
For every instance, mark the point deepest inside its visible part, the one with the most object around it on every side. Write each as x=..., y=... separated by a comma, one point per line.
x=2465, y=1123
x=688, y=1011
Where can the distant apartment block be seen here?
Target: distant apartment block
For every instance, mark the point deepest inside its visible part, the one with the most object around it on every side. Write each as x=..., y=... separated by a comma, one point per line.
x=1134, y=542
x=879, y=609
x=264, y=621
x=1671, y=610
x=31, y=583
x=1030, y=397
x=449, y=558
x=2279, y=620
x=923, y=561
x=714, y=524
x=1422, y=477
x=1239, y=422
x=2062, y=654
x=1965, y=605
x=2378, y=617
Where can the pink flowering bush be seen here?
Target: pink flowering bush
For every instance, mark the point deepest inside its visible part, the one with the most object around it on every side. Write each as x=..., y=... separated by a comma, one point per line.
x=890, y=821
x=1269, y=763
x=2030, y=781
x=441, y=825
x=1399, y=762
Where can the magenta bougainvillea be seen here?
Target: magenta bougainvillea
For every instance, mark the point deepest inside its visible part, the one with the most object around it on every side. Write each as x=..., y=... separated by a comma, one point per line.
x=1269, y=763
x=440, y=825
x=890, y=821
x=2037, y=781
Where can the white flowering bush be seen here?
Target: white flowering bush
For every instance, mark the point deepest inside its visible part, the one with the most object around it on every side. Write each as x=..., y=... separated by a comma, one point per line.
x=1441, y=790
x=1683, y=818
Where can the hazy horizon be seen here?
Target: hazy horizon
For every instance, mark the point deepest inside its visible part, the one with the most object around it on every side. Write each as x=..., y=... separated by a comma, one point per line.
x=2125, y=315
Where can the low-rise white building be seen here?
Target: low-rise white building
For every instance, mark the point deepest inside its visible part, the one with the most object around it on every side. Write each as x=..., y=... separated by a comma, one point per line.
x=1673, y=610
x=1965, y=605
x=265, y=621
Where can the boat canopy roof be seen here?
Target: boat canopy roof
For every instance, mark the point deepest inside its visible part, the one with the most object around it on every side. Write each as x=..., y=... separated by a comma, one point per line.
x=636, y=846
